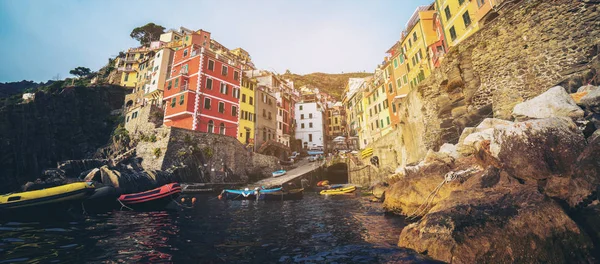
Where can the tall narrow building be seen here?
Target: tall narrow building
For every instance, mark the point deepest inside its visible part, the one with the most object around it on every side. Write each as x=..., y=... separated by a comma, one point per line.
x=203, y=91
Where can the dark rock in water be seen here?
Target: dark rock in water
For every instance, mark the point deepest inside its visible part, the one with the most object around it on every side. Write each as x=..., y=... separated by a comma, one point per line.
x=74, y=168
x=506, y=222
x=50, y=178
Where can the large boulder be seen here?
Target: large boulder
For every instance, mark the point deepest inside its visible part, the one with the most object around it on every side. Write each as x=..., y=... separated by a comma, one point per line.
x=555, y=102
x=411, y=194
x=538, y=149
x=471, y=138
x=498, y=220
x=450, y=150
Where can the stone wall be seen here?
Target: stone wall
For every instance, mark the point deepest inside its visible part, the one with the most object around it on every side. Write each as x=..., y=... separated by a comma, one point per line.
x=529, y=47
x=206, y=157
x=146, y=118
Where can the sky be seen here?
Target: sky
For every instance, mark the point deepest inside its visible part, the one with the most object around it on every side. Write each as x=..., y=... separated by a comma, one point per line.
x=43, y=39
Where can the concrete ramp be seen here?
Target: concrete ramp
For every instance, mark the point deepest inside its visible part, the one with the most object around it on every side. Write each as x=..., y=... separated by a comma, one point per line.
x=303, y=168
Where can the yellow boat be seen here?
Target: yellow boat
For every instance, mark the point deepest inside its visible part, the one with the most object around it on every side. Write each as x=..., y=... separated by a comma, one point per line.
x=343, y=190
x=59, y=194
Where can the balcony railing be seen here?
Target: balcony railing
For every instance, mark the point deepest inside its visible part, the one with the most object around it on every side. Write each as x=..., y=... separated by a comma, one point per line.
x=130, y=59
x=184, y=87
x=126, y=69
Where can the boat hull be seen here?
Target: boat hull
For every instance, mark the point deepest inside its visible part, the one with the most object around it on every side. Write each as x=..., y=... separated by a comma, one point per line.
x=246, y=194
x=339, y=191
x=154, y=199
x=74, y=192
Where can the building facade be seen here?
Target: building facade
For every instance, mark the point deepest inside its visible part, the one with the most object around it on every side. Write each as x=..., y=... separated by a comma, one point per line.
x=310, y=129
x=266, y=111
x=203, y=91
x=419, y=35
x=247, y=118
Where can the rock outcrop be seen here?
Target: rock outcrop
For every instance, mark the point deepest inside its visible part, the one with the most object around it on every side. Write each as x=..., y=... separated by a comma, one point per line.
x=555, y=102
x=498, y=220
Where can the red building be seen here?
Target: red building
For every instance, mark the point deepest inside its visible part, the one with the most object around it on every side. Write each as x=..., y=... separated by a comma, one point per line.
x=203, y=90
x=437, y=50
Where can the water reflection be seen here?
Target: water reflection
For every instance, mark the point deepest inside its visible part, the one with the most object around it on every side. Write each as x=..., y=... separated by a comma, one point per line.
x=315, y=229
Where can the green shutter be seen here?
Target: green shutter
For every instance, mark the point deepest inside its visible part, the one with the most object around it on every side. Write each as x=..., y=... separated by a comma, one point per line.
x=181, y=99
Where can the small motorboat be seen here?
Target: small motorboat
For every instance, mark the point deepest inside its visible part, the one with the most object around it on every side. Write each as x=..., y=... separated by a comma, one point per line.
x=328, y=187
x=48, y=198
x=281, y=195
x=279, y=173
x=153, y=199
x=340, y=190
x=246, y=194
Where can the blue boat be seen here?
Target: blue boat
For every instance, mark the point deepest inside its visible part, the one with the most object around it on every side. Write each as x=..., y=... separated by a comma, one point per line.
x=245, y=194
x=279, y=173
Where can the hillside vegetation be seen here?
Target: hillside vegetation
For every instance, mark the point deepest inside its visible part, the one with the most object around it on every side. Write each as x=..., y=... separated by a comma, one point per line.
x=332, y=84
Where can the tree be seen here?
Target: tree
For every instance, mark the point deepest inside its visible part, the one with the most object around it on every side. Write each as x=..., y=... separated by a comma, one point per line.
x=81, y=71
x=147, y=33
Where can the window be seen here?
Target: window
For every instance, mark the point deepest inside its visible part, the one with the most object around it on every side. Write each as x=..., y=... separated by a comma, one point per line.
x=309, y=115
x=309, y=137
x=399, y=82
x=236, y=93
x=126, y=77
x=370, y=112
x=210, y=127
x=209, y=84
x=134, y=115
x=405, y=79
x=409, y=43
x=447, y=11
x=376, y=124
x=223, y=88
x=264, y=135
x=233, y=110
x=480, y=3
x=211, y=65
x=466, y=19
x=310, y=125
x=181, y=99
x=185, y=52
x=158, y=55
x=401, y=58
x=222, y=129
x=270, y=116
x=221, y=107
x=385, y=104
x=236, y=75
x=381, y=123
x=452, y=33
x=302, y=125
x=301, y=116
x=176, y=82
x=243, y=98
x=390, y=88
x=173, y=102
x=169, y=85
x=394, y=108
x=415, y=36
x=251, y=100
x=395, y=63
x=300, y=107
x=224, y=70
x=206, y=103
x=460, y=2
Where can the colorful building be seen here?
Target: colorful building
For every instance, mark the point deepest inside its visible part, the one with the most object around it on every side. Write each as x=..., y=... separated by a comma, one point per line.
x=310, y=120
x=266, y=122
x=247, y=118
x=460, y=18
x=353, y=103
x=203, y=91
x=158, y=74
x=416, y=39
x=129, y=64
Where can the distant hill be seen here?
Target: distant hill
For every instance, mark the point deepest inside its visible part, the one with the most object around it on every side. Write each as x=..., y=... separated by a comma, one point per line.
x=332, y=84
x=12, y=88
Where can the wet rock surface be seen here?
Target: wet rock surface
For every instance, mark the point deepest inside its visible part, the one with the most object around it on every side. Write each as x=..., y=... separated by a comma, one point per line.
x=552, y=103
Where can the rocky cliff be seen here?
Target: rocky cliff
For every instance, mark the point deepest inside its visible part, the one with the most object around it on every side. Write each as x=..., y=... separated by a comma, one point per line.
x=530, y=46
x=61, y=124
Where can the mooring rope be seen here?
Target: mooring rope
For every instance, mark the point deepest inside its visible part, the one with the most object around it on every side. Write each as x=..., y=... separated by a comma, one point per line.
x=122, y=205
x=449, y=177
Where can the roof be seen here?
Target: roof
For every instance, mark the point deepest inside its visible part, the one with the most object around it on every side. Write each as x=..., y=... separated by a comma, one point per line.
x=354, y=85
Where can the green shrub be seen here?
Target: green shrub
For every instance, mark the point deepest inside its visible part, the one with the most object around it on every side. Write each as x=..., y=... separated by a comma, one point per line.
x=152, y=138
x=157, y=152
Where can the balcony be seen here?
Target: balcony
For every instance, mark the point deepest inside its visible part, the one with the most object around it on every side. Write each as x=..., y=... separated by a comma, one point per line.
x=126, y=69
x=183, y=87
x=130, y=60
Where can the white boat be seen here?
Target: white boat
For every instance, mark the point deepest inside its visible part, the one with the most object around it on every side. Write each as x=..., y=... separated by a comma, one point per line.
x=279, y=173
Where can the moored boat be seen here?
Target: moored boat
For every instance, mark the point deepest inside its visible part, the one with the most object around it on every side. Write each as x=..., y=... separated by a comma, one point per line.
x=337, y=191
x=153, y=199
x=279, y=173
x=46, y=198
x=281, y=195
x=246, y=194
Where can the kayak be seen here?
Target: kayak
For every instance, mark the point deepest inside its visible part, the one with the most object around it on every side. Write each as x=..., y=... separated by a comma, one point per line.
x=245, y=194
x=279, y=173
x=336, y=191
x=72, y=192
x=281, y=195
x=153, y=199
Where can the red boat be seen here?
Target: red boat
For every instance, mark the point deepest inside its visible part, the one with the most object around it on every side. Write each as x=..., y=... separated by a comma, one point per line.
x=153, y=199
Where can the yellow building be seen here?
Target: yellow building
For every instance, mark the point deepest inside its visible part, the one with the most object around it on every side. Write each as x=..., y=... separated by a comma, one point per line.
x=460, y=18
x=247, y=116
x=355, y=118
x=129, y=66
x=378, y=122
x=417, y=37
